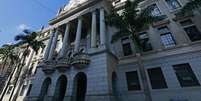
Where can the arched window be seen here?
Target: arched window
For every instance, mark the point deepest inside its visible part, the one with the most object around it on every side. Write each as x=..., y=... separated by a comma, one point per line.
x=60, y=89
x=80, y=87
x=44, y=89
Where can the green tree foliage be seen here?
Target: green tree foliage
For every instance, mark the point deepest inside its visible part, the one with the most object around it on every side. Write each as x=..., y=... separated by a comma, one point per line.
x=29, y=40
x=190, y=7
x=131, y=21
x=8, y=55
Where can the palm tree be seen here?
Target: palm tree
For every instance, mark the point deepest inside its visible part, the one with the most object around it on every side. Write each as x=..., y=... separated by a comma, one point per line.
x=129, y=23
x=8, y=53
x=190, y=7
x=29, y=40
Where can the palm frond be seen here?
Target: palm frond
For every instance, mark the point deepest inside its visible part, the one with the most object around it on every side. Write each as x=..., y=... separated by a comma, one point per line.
x=189, y=8
x=20, y=37
x=36, y=45
x=131, y=21
x=120, y=34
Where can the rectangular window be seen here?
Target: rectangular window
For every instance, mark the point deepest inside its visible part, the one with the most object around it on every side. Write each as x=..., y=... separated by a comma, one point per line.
x=193, y=33
x=166, y=37
x=145, y=42
x=155, y=10
x=185, y=75
x=22, y=90
x=173, y=4
x=9, y=90
x=43, y=48
x=133, y=82
x=29, y=90
x=157, y=78
x=126, y=45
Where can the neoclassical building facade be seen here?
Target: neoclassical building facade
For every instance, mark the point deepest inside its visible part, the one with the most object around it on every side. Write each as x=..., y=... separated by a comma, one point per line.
x=79, y=62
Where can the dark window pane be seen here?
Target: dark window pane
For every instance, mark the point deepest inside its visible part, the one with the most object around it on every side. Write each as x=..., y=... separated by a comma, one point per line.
x=185, y=75
x=193, y=33
x=126, y=45
x=23, y=89
x=157, y=79
x=145, y=42
x=9, y=90
x=127, y=49
x=133, y=81
x=29, y=90
x=186, y=22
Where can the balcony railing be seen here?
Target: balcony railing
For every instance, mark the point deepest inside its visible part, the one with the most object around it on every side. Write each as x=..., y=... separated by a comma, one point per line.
x=80, y=60
x=48, y=66
x=62, y=63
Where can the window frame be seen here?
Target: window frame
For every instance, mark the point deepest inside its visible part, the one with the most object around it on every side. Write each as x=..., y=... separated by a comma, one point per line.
x=10, y=88
x=137, y=81
x=173, y=44
x=126, y=40
x=188, y=70
x=165, y=86
x=148, y=42
x=155, y=4
x=184, y=27
x=174, y=9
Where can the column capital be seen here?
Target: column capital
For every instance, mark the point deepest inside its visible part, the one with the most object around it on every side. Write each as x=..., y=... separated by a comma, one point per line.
x=102, y=8
x=79, y=17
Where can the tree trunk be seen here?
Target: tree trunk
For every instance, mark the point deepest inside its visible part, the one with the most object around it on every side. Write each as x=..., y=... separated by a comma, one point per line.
x=4, y=65
x=18, y=78
x=8, y=82
x=144, y=78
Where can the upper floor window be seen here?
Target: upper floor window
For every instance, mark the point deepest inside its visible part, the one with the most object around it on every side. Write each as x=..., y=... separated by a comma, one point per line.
x=155, y=10
x=133, y=82
x=9, y=90
x=157, y=79
x=126, y=45
x=145, y=42
x=193, y=33
x=173, y=4
x=166, y=37
x=29, y=90
x=23, y=90
x=185, y=75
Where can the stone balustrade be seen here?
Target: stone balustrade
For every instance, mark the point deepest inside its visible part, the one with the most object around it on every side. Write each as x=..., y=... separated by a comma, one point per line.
x=80, y=60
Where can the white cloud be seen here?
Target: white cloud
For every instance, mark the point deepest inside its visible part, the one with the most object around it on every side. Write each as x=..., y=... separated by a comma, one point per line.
x=22, y=27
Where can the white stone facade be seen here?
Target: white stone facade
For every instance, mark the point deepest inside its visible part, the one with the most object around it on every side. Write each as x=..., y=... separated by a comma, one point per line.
x=83, y=29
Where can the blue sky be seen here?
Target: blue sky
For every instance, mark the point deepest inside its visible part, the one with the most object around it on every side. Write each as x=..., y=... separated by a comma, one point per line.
x=16, y=15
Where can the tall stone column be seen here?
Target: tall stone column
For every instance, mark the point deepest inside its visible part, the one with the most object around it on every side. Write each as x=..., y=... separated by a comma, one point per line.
x=78, y=35
x=65, y=41
x=102, y=26
x=54, y=44
x=49, y=46
x=93, y=30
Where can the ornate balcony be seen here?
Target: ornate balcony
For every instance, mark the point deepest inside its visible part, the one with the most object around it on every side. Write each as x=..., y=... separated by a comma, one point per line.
x=63, y=63
x=80, y=60
x=47, y=66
